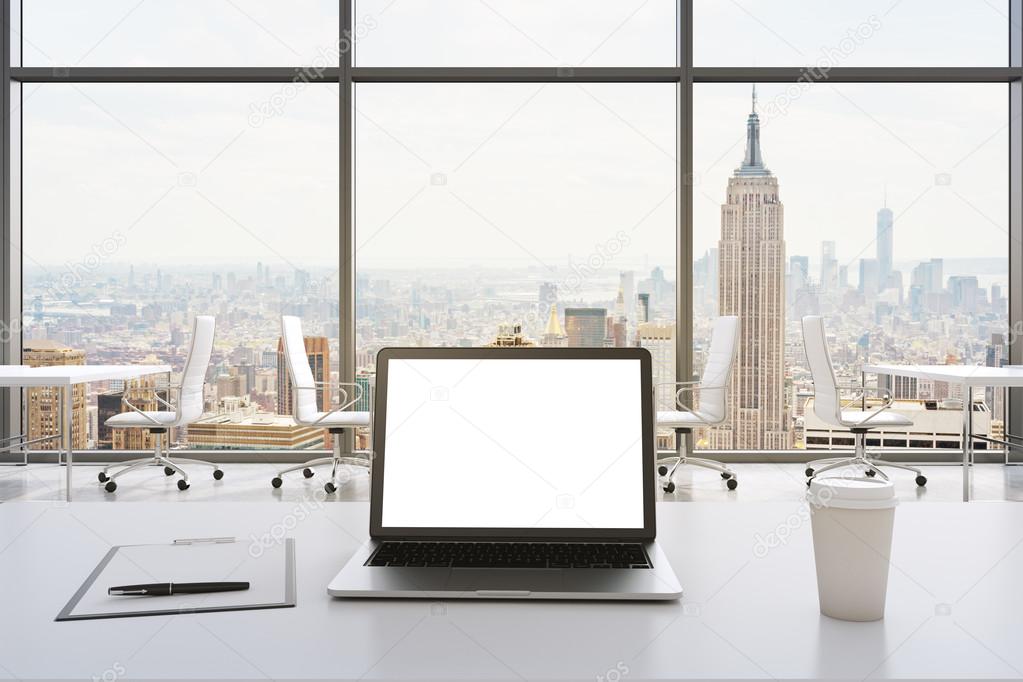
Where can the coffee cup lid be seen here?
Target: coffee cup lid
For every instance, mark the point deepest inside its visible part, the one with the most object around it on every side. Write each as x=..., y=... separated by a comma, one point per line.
x=852, y=493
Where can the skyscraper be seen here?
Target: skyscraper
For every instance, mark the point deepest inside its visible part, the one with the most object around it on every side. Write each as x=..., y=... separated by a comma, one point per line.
x=870, y=277
x=553, y=335
x=885, y=245
x=317, y=350
x=586, y=327
x=829, y=266
x=643, y=308
x=752, y=286
x=44, y=401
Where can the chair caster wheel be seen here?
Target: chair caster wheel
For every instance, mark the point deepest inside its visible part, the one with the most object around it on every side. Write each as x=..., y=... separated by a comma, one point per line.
x=102, y=477
x=167, y=471
x=662, y=470
x=670, y=487
x=330, y=488
x=808, y=472
x=732, y=484
x=110, y=487
x=217, y=474
x=276, y=482
x=871, y=473
x=182, y=484
x=921, y=480
x=725, y=475
x=308, y=473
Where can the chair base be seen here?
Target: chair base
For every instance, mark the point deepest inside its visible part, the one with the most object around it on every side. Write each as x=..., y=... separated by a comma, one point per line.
x=170, y=467
x=860, y=459
x=337, y=461
x=681, y=459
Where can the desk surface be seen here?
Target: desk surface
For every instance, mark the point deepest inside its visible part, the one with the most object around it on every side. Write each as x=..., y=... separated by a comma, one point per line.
x=750, y=610
x=66, y=375
x=967, y=375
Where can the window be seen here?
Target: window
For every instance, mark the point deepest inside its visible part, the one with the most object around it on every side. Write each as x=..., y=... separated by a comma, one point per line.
x=145, y=205
x=876, y=192
x=572, y=33
x=864, y=33
x=518, y=214
x=516, y=179
x=65, y=33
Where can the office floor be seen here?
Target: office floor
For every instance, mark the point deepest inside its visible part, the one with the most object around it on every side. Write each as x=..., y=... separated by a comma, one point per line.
x=251, y=483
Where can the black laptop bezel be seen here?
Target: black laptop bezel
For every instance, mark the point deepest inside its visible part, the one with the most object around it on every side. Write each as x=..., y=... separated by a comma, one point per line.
x=385, y=355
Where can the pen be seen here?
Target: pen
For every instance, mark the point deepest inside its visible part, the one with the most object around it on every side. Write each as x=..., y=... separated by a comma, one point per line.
x=166, y=589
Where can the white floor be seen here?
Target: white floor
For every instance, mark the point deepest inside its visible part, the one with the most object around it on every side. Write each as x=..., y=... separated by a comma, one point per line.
x=251, y=483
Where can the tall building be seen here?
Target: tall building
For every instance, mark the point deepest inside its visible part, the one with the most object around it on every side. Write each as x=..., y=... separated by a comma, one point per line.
x=799, y=276
x=44, y=402
x=627, y=287
x=885, y=245
x=829, y=266
x=586, y=327
x=752, y=286
x=659, y=339
x=553, y=335
x=643, y=308
x=870, y=277
x=317, y=350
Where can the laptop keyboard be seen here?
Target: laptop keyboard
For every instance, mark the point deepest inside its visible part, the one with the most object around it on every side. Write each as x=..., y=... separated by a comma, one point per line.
x=510, y=555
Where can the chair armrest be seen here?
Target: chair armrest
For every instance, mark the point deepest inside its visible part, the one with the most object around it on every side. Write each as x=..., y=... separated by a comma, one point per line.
x=171, y=389
x=687, y=387
x=861, y=392
x=341, y=393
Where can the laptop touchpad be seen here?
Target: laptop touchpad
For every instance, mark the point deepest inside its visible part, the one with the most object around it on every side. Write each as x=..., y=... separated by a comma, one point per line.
x=525, y=579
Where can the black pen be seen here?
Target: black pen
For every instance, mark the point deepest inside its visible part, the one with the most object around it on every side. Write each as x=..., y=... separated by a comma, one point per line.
x=167, y=589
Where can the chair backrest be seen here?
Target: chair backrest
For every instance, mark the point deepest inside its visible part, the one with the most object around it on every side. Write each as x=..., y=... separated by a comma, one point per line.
x=818, y=357
x=303, y=385
x=724, y=344
x=193, y=377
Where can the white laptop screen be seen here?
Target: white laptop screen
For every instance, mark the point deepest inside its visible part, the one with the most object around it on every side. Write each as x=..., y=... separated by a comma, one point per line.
x=513, y=443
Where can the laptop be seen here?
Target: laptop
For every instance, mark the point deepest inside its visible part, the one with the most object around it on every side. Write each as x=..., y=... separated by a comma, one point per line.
x=517, y=473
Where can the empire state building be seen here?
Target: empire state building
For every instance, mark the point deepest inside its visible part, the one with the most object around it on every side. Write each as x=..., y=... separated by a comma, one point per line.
x=751, y=285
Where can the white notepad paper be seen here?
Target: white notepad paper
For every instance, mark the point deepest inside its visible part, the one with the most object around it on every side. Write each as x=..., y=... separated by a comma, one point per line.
x=270, y=573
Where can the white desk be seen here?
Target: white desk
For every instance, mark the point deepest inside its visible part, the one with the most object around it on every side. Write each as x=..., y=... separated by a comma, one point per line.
x=966, y=376
x=954, y=607
x=64, y=377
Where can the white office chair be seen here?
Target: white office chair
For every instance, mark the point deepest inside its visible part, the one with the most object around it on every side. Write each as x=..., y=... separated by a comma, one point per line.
x=184, y=405
x=710, y=405
x=306, y=411
x=830, y=408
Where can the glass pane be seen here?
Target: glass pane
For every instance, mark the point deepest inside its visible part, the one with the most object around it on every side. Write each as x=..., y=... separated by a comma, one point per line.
x=883, y=208
x=181, y=33
x=865, y=33
x=516, y=33
x=515, y=215
x=145, y=205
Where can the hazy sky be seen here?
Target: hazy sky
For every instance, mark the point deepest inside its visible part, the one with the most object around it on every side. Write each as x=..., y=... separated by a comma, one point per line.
x=502, y=174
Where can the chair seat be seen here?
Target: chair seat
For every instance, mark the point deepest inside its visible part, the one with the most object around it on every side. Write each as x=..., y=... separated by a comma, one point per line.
x=851, y=418
x=134, y=420
x=340, y=420
x=681, y=420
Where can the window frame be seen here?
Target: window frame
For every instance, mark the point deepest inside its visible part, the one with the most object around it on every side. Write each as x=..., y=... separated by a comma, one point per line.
x=684, y=75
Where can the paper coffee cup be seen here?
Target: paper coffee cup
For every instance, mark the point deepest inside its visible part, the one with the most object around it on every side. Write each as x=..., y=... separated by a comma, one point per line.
x=852, y=521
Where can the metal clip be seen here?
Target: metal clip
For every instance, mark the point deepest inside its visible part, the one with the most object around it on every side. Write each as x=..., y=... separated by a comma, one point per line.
x=196, y=541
